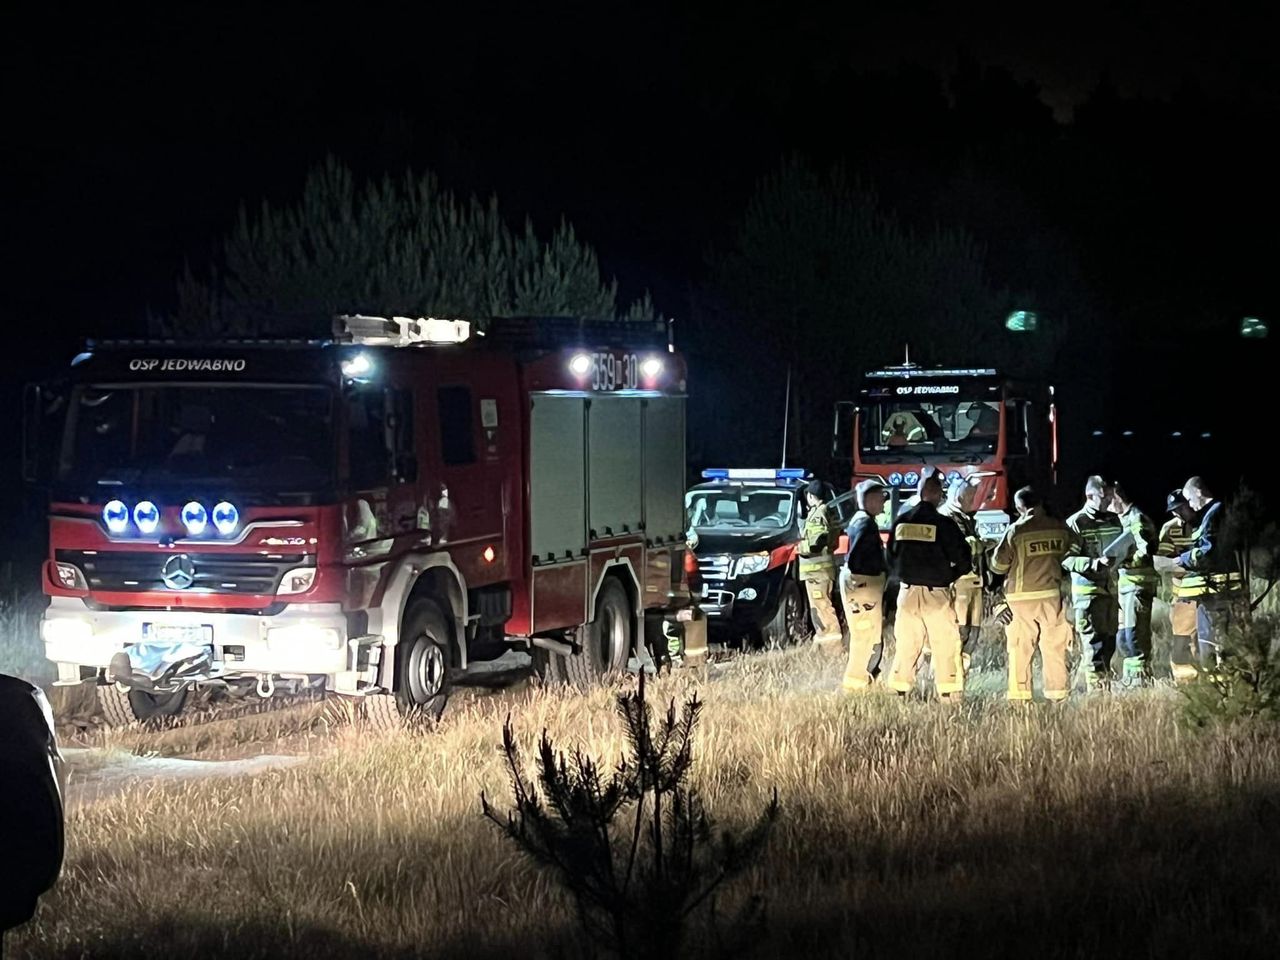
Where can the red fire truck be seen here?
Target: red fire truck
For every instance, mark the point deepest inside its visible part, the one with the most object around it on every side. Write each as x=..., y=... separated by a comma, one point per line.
x=961, y=422
x=373, y=513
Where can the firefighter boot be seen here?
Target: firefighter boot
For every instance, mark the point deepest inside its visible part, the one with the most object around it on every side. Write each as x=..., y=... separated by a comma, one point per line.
x=1134, y=672
x=1182, y=658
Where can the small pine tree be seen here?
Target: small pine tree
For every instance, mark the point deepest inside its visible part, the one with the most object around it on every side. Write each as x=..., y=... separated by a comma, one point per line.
x=1245, y=686
x=634, y=847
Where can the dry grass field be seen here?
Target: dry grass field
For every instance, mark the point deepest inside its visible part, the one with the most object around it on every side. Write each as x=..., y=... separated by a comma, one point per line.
x=1101, y=828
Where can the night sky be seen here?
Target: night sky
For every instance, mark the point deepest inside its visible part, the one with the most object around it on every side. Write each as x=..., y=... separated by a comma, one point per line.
x=1128, y=150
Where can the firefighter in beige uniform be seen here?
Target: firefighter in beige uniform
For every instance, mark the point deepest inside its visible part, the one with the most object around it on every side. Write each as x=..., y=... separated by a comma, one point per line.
x=1029, y=557
x=930, y=554
x=818, y=566
x=968, y=602
x=862, y=581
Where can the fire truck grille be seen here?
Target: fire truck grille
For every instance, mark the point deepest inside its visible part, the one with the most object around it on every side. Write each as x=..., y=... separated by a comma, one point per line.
x=129, y=572
x=714, y=567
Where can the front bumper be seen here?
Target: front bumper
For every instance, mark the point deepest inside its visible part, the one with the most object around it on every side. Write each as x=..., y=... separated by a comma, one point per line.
x=742, y=603
x=302, y=640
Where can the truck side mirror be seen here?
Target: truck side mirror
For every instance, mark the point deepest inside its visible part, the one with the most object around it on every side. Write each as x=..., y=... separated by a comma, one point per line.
x=41, y=405
x=842, y=430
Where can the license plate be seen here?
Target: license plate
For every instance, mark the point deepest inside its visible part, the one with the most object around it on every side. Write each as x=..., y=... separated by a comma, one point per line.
x=177, y=633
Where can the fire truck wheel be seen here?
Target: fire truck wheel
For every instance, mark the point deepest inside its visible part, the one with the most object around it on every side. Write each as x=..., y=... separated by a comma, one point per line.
x=422, y=661
x=121, y=707
x=788, y=623
x=606, y=640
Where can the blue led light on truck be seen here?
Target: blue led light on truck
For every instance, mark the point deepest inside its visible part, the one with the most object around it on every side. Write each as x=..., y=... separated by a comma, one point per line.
x=195, y=518
x=116, y=516
x=146, y=515
x=226, y=518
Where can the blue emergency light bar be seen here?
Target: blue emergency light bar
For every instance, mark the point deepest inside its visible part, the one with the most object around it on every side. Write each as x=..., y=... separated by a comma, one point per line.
x=734, y=473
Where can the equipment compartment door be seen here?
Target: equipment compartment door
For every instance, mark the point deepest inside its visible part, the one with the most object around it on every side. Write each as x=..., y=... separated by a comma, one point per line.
x=558, y=510
x=615, y=470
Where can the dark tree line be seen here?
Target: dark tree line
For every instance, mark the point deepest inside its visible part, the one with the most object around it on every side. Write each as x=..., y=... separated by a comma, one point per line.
x=401, y=246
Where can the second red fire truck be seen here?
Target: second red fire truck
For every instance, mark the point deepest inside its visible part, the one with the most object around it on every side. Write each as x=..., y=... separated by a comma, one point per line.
x=372, y=513
x=970, y=422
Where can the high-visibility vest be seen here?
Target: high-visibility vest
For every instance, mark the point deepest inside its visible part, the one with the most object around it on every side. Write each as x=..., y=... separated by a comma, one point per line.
x=1176, y=538
x=1138, y=569
x=1091, y=533
x=819, y=538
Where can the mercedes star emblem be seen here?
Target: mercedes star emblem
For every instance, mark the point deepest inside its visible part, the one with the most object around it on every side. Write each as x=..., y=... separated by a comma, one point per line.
x=178, y=572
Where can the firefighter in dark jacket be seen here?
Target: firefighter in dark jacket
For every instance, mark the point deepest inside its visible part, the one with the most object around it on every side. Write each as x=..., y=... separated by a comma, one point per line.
x=1213, y=569
x=862, y=582
x=929, y=553
x=1177, y=536
x=968, y=602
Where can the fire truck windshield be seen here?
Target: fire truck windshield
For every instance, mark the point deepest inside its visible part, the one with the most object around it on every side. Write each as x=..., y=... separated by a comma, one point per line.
x=739, y=508
x=256, y=437
x=956, y=429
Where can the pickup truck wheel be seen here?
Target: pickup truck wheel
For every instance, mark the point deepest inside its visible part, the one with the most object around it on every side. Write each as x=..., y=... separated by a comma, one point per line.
x=788, y=623
x=121, y=707
x=606, y=640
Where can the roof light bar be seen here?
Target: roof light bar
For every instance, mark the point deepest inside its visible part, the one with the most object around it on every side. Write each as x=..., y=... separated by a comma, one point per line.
x=736, y=473
x=400, y=331
x=896, y=373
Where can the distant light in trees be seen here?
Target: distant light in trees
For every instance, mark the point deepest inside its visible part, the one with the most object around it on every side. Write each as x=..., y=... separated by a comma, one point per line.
x=1022, y=321
x=1253, y=328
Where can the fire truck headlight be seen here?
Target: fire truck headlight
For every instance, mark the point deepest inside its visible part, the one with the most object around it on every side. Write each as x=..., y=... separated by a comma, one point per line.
x=895, y=479
x=912, y=478
x=226, y=518
x=298, y=580
x=303, y=638
x=195, y=518
x=358, y=367
x=751, y=563
x=580, y=365
x=650, y=368
x=147, y=516
x=70, y=577
x=116, y=516
x=65, y=632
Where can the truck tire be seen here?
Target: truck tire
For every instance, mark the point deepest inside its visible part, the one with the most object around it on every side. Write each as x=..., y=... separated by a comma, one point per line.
x=606, y=641
x=788, y=623
x=121, y=707
x=422, y=670
x=542, y=665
